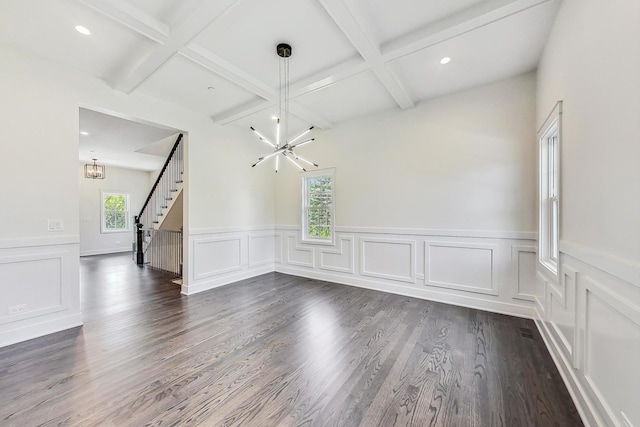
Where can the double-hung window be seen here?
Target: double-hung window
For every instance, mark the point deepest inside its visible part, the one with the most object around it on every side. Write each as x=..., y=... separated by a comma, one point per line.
x=115, y=212
x=317, y=206
x=549, y=189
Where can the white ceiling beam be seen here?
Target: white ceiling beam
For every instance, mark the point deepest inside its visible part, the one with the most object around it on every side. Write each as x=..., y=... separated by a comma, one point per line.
x=224, y=68
x=257, y=106
x=480, y=15
x=186, y=31
x=129, y=16
x=367, y=49
x=329, y=76
x=242, y=111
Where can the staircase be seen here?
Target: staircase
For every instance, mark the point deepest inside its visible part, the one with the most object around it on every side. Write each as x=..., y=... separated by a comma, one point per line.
x=156, y=246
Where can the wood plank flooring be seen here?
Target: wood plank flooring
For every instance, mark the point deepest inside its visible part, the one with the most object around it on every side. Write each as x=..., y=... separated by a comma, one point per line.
x=277, y=350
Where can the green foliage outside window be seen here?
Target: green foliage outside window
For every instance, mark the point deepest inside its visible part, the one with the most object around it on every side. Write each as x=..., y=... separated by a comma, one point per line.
x=320, y=195
x=115, y=212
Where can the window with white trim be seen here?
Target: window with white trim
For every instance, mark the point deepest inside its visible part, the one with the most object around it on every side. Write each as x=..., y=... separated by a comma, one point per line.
x=317, y=206
x=115, y=212
x=549, y=185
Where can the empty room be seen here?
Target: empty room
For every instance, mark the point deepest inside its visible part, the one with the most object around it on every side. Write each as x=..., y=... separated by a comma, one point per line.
x=320, y=212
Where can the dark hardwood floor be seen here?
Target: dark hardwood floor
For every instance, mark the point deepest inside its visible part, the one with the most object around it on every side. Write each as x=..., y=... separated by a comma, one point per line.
x=277, y=350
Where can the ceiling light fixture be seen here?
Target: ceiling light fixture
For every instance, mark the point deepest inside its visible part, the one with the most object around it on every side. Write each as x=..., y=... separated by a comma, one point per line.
x=94, y=171
x=445, y=60
x=83, y=132
x=284, y=147
x=83, y=30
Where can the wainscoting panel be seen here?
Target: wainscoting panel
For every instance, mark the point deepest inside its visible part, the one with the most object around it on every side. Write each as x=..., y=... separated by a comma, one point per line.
x=523, y=272
x=220, y=257
x=452, y=266
x=217, y=255
x=392, y=259
x=301, y=256
x=39, y=284
x=561, y=308
x=611, y=345
x=340, y=259
x=262, y=248
x=592, y=329
x=540, y=297
x=462, y=266
x=37, y=279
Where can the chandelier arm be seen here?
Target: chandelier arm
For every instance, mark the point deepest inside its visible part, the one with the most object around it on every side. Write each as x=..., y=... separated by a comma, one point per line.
x=300, y=135
x=302, y=159
x=263, y=138
x=294, y=162
x=301, y=143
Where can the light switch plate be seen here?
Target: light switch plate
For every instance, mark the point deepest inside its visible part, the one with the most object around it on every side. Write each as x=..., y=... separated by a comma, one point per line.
x=55, y=225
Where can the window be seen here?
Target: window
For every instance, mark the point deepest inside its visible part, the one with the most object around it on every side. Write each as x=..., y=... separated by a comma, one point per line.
x=115, y=212
x=317, y=207
x=549, y=184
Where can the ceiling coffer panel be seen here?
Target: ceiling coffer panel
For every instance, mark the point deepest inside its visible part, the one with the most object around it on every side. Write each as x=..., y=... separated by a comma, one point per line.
x=247, y=34
x=493, y=52
x=192, y=86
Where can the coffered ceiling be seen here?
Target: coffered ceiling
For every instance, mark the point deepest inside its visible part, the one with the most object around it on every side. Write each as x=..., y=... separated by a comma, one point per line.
x=350, y=57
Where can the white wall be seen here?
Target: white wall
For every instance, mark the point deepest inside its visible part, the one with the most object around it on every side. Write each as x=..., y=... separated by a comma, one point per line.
x=39, y=108
x=590, y=313
x=119, y=180
x=436, y=202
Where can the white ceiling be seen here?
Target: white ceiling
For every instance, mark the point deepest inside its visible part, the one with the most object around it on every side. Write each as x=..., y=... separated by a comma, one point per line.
x=350, y=57
x=125, y=143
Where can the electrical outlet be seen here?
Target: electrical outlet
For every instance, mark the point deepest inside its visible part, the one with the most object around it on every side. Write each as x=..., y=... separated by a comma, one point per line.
x=55, y=225
x=17, y=309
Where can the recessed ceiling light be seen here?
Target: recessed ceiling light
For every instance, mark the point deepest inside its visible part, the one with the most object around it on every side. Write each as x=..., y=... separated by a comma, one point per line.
x=445, y=60
x=82, y=132
x=83, y=30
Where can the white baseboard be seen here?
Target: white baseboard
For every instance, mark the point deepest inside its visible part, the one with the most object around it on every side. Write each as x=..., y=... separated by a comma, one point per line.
x=585, y=408
x=409, y=291
x=37, y=330
x=104, y=251
x=225, y=279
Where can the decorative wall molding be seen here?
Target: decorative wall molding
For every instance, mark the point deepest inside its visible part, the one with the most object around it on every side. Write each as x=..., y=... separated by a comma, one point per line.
x=31, y=242
x=540, y=298
x=277, y=247
x=223, y=230
x=463, y=269
x=520, y=290
x=261, y=249
x=342, y=253
x=561, y=295
x=43, y=280
x=395, y=263
x=626, y=270
x=225, y=256
x=482, y=234
x=45, y=270
x=622, y=319
x=385, y=258
x=601, y=313
x=293, y=248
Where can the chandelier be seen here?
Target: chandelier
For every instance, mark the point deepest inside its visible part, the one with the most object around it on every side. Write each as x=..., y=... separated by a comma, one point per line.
x=284, y=147
x=94, y=171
